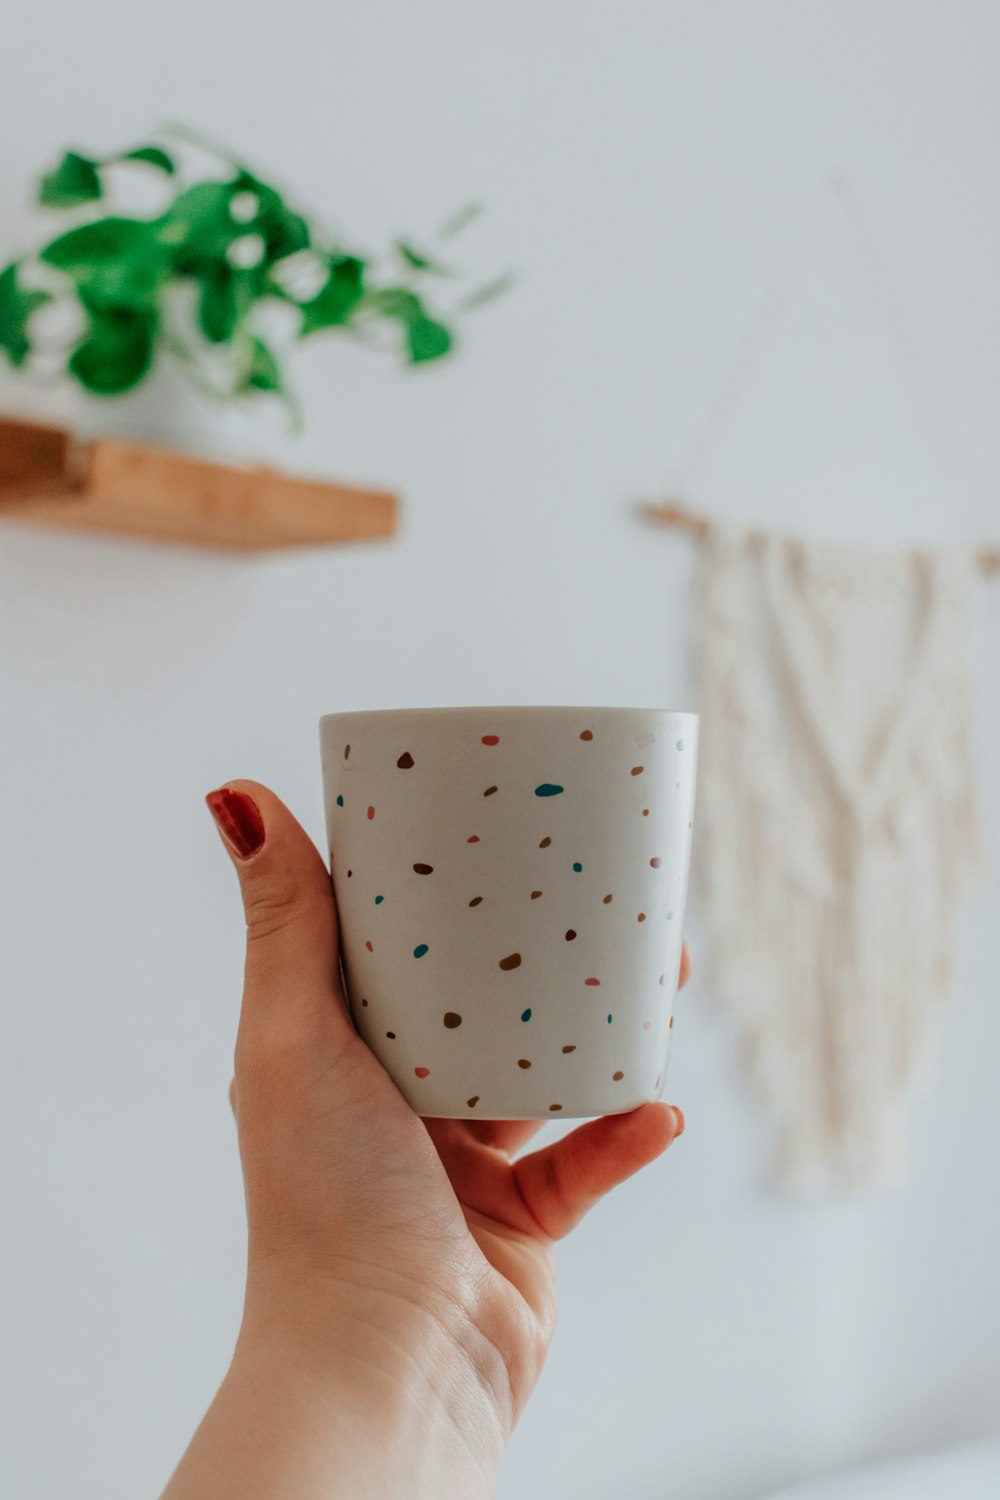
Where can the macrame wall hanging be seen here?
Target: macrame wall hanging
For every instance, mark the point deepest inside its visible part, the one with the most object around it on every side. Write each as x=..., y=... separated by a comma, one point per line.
x=837, y=826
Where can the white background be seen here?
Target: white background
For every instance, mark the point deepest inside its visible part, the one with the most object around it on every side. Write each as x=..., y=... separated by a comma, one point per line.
x=646, y=167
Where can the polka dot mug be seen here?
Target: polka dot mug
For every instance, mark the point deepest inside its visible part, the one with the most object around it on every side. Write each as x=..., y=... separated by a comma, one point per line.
x=511, y=885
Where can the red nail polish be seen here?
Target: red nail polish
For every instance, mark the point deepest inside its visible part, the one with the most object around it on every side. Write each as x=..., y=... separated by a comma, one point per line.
x=680, y=1120
x=239, y=820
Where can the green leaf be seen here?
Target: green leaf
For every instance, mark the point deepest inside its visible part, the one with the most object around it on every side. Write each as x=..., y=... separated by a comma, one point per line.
x=199, y=226
x=154, y=155
x=117, y=262
x=264, y=373
x=396, y=302
x=427, y=340
x=483, y=294
x=117, y=351
x=16, y=307
x=74, y=181
x=421, y=262
x=284, y=231
x=337, y=298
x=460, y=220
x=227, y=296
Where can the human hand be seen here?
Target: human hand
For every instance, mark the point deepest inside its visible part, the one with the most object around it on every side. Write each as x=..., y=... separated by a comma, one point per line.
x=403, y=1238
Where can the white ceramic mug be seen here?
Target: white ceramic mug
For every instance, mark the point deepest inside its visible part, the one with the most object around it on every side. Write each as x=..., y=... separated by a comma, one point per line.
x=511, y=885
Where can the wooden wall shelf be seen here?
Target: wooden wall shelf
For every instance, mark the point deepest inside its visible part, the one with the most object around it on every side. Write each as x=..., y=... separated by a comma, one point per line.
x=49, y=479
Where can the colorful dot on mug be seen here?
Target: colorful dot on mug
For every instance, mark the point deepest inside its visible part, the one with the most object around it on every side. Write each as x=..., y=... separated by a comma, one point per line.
x=349, y=874
x=535, y=895
x=545, y=843
x=680, y=744
x=422, y=1072
x=656, y=863
x=548, y=789
x=512, y=961
x=423, y=869
x=365, y=1004
x=523, y=1062
x=570, y=1048
x=609, y=1020
x=371, y=813
x=473, y=840
x=663, y=978
x=471, y=1103
x=578, y=867
x=670, y=916
x=555, y=1106
x=379, y=900
x=645, y=812
x=608, y=900
x=420, y=950
x=526, y=1014
x=340, y=800
x=452, y=1019
x=591, y=981
x=570, y=935
x=405, y=761
x=617, y=1077
x=476, y=901
x=368, y=945
x=588, y=734
x=391, y=1035
x=347, y=751
x=489, y=791
x=647, y=1025
x=671, y=1026
x=641, y=917
x=491, y=739
x=638, y=770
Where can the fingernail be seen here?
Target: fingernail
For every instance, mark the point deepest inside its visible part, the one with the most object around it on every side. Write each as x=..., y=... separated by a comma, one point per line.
x=238, y=819
x=680, y=1120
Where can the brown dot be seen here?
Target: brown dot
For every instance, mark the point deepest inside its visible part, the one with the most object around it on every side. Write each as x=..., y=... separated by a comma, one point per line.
x=523, y=1062
x=588, y=734
x=391, y=1035
x=364, y=1002
x=452, y=1019
x=535, y=895
x=349, y=874
x=555, y=1106
x=347, y=751
x=545, y=843
x=618, y=1077
x=471, y=1103
x=645, y=812
x=489, y=791
x=638, y=770
x=670, y=1027
x=607, y=900
x=512, y=961
x=405, y=761
x=656, y=863
x=423, y=869
x=641, y=917
x=570, y=934
x=476, y=901
x=571, y=1048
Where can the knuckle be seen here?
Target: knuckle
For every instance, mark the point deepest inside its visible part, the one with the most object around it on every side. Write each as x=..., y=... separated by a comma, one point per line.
x=270, y=907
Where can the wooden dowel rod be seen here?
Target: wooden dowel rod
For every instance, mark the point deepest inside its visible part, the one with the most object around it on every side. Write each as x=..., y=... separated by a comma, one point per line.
x=672, y=513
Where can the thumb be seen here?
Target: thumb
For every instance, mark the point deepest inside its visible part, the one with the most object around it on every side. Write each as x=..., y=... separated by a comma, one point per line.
x=291, y=979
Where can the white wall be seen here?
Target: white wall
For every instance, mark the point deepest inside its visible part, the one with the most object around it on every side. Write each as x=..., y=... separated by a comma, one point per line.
x=645, y=166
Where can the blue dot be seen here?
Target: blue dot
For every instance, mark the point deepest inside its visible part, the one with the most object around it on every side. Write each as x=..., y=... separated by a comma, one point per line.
x=670, y=916
x=379, y=900
x=548, y=789
x=680, y=744
x=420, y=950
x=578, y=868
x=609, y=1020
x=526, y=1014
x=340, y=801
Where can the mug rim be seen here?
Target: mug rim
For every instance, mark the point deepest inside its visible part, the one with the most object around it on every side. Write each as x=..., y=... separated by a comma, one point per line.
x=519, y=708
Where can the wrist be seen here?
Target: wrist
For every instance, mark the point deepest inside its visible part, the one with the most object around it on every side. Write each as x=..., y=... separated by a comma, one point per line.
x=425, y=1394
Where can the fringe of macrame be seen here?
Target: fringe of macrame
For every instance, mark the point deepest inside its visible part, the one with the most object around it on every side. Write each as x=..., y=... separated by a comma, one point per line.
x=829, y=941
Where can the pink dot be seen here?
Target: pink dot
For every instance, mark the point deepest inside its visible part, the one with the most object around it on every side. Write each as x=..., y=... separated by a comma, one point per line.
x=474, y=839
x=591, y=981
x=371, y=813
x=422, y=1072
x=646, y=1025
x=491, y=739
x=368, y=945
x=656, y=863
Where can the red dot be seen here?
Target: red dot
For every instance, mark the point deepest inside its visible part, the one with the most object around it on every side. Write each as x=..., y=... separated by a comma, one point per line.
x=491, y=739
x=371, y=812
x=474, y=839
x=368, y=945
x=591, y=981
x=656, y=863
x=422, y=1072
x=646, y=1025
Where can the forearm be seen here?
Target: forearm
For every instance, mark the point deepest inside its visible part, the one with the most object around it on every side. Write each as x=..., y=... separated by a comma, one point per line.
x=356, y=1421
